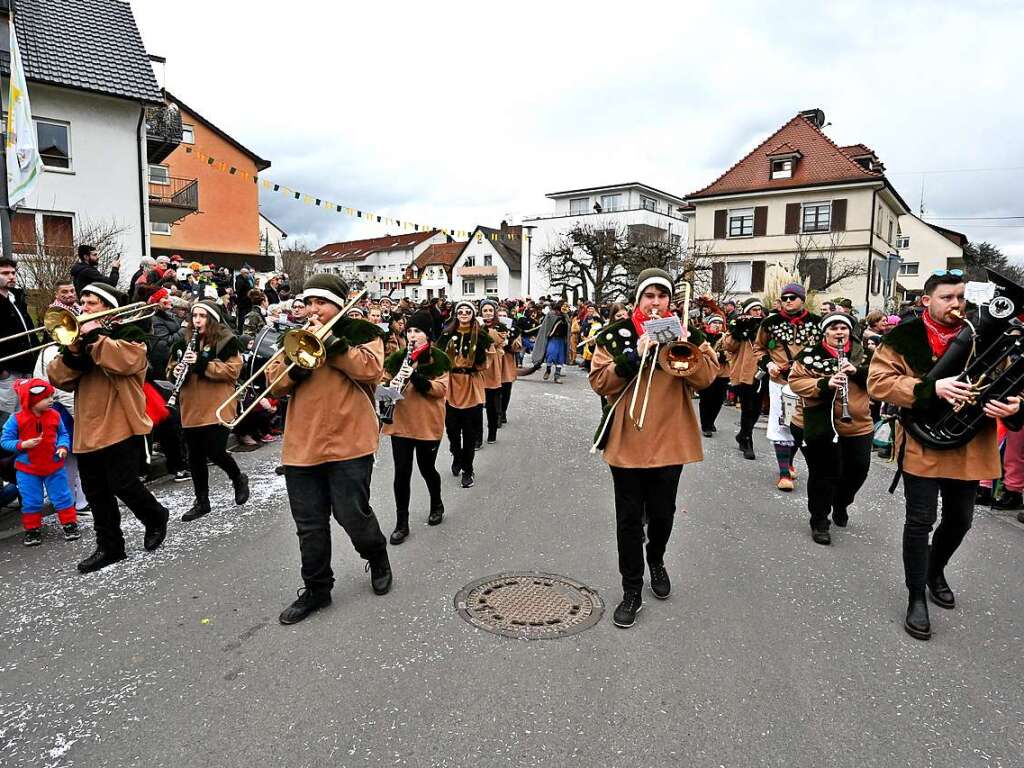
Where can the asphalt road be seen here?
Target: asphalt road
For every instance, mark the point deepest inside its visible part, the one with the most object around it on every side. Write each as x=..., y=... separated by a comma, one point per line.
x=771, y=651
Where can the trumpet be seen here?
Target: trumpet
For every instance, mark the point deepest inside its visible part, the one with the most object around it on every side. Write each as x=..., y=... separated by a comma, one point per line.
x=64, y=327
x=303, y=347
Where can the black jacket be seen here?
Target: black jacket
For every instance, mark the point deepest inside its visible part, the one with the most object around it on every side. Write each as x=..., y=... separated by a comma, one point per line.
x=164, y=332
x=82, y=274
x=271, y=294
x=10, y=324
x=242, y=287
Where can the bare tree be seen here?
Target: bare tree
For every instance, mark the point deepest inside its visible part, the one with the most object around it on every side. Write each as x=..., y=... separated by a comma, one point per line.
x=297, y=263
x=821, y=259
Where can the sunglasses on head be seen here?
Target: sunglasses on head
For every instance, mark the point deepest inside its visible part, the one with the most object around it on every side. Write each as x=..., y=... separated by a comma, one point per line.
x=789, y=297
x=953, y=272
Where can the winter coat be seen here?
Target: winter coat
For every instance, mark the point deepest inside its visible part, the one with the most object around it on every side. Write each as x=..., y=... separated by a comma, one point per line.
x=14, y=318
x=419, y=415
x=165, y=332
x=819, y=408
x=466, y=384
x=82, y=274
x=211, y=380
x=780, y=341
x=24, y=425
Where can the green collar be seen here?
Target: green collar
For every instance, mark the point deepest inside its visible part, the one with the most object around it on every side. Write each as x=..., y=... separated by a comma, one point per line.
x=437, y=363
x=910, y=340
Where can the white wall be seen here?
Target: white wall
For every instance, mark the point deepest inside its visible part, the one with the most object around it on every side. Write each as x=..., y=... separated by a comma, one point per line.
x=928, y=249
x=506, y=282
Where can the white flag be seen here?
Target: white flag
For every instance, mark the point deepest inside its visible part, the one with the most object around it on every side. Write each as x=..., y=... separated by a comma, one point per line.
x=24, y=165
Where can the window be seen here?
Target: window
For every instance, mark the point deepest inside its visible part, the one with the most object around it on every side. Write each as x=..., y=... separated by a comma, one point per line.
x=902, y=241
x=188, y=134
x=782, y=169
x=649, y=203
x=54, y=143
x=469, y=286
x=817, y=217
x=469, y=262
x=579, y=205
x=159, y=228
x=737, y=276
x=491, y=287
x=159, y=174
x=909, y=268
x=889, y=239
x=488, y=259
x=610, y=203
x=741, y=223
x=675, y=239
x=876, y=279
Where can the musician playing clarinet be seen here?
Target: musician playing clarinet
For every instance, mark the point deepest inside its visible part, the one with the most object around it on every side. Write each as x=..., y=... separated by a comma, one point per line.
x=899, y=375
x=210, y=360
x=833, y=424
x=646, y=453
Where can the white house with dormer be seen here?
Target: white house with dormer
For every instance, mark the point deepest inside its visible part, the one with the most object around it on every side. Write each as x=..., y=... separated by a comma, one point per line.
x=490, y=265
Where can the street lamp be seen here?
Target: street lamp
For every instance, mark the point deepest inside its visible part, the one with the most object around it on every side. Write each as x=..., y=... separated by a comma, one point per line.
x=528, y=229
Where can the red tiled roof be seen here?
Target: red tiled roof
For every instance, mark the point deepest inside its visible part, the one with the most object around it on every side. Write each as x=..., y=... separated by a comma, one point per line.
x=823, y=162
x=444, y=254
x=357, y=250
x=783, y=149
x=857, y=150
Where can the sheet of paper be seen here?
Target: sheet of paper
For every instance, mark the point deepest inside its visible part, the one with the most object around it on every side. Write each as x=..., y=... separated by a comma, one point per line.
x=664, y=329
x=979, y=293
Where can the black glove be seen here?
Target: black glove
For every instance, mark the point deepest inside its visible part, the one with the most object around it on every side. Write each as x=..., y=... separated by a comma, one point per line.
x=79, y=362
x=627, y=365
x=298, y=374
x=335, y=345
x=420, y=383
x=199, y=366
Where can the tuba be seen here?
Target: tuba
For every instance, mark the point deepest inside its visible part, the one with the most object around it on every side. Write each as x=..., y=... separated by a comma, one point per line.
x=988, y=353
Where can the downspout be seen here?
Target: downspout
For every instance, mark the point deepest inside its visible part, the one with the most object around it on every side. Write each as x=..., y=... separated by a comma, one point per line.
x=871, y=244
x=142, y=182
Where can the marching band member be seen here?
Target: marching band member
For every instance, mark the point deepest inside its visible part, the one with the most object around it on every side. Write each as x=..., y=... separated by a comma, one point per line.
x=330, y=437
x=779, y=339
x=212, y=364
x=492, y=371
x=509, y=366
x=466, y=346
x=899, y=375
x=106, y=368
x=838, y=451
x=418, y=422
x=712, y=398
x=646, y=465
x=744, y=375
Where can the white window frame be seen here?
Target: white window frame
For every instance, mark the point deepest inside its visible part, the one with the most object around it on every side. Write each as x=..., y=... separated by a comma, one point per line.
x=71, y=147
x=816, y=204
x=575, y=209
x=488, y=260
x=740, y=214
x=156, y=228
x=470, y=261
x=782, y=169
x=611, y=203
x=905, y=268
x=730, y=280
x=153, y=180
x=902, y=241
x=648, y=203
x=191, y=131
x=469, y=287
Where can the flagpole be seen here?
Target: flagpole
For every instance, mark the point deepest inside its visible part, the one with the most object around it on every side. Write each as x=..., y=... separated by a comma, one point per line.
x=5, y=208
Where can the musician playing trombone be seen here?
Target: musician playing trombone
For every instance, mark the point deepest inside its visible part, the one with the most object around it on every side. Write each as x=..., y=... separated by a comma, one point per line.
x=832, y=425
x=647, y=439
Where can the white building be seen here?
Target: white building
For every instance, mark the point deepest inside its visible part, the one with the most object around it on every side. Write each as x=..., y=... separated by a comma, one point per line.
x=490, y=265
x=633, y=207
x=271, y=237
x=430, y=275
x=379, y=263
x=89, y=97
x=924, y=248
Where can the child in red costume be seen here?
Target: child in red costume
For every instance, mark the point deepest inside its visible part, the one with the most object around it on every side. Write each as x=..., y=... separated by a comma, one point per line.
x=37, y=436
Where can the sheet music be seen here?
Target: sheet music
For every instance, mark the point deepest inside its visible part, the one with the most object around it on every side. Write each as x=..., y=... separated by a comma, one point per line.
x=664, y=329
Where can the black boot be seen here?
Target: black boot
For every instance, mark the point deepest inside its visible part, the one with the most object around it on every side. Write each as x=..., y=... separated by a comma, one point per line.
x=200, y=508
x=100, y=559
x=467, y=479
x=456, y=468
x=308, y=602
x=917, y=624
x=492, y=437
x=625, y=613
x=940, y=592
x=1008, y=501
x=984, y=497
x=241, y=485
x=401, y=532
x=380, y=573
x=840, y=517
x=156, y=534
x=748, y=449
x=436, y=515
x=820, y=534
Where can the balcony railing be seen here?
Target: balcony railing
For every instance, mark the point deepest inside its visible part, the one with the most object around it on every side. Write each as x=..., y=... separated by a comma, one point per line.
x=163, y=131
x=666, y=211
x=172, y=198
x=477, y=271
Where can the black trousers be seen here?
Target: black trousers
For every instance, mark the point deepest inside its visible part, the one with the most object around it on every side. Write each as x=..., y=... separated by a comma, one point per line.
x=168, y=433
x=750, y=406
x=110, y=474
x=402, y=451
x=492, y=404
x=640, y=492
x=835, y=472
x=922, y=495
x=506, y=397
x=209, y=443
x=461, y=426
x=335, y=488
x=710, y=403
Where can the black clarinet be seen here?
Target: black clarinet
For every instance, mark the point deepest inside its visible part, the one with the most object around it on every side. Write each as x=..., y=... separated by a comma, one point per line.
x=180, y=381
x=844, y=391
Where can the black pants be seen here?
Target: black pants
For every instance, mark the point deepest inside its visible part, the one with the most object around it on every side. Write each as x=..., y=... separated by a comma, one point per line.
x=209, y=443
x=493, y=406
x=168, y=433
x=710, y=403
x=425, y=451
x=110, y=474
x=750, y=406
x=341, y=489
x=835, y=472
x=461, y=426
x=922, y=494
x=506, y=397
x=640, y=492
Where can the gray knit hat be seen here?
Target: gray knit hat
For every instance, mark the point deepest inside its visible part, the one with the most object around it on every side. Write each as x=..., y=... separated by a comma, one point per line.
x=108, y=294
x=328, y=287
x=653, y=276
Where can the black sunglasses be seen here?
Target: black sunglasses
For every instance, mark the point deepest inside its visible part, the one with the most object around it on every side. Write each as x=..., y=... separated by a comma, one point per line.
x=789, y=297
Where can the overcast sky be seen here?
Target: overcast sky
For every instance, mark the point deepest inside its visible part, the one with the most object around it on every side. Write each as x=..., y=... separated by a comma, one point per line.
x=455, y=114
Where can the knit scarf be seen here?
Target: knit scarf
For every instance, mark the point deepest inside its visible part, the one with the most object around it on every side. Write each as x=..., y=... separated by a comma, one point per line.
x=939, y=334
x=795, y=319
x=835, y=352
x=418, y=352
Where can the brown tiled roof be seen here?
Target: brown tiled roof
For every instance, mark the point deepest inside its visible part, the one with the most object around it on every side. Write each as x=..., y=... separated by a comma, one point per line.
x=357, y=250
x=823, y=162
x=857, y=150
x=445, y=254
x=783, y=149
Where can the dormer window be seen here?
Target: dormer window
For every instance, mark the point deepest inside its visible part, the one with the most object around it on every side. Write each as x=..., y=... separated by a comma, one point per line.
x=782, y=161
x=782, y=169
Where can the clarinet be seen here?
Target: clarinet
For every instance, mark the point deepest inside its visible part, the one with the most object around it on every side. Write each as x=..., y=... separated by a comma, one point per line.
x=180, y=381
x=387, y=405
x=844, y=391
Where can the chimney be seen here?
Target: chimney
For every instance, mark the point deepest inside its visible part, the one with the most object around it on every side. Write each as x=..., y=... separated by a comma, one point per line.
x=504, y=225
x=816, y=116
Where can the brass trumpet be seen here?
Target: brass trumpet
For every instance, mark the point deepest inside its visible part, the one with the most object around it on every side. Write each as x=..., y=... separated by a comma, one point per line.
x=64, y=327
x=300, y=347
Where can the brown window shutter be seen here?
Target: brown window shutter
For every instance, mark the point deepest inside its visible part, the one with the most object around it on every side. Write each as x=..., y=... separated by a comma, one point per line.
x=816, y=270
x=720, y=223
x=839, y=215
x=757, y=277
x=718, y=277
x=23, y=233
x=760, y=220
x=792, y=218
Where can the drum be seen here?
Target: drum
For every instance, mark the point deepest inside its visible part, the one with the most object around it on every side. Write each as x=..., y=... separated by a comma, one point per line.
x=789, y=403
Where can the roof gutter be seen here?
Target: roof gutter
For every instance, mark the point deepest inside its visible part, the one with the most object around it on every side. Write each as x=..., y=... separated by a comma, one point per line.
x=871, y=248
x=142, y=183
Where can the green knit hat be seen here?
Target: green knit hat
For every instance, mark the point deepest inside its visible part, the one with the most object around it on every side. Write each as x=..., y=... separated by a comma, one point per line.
x=653, y=276
x=328, y=287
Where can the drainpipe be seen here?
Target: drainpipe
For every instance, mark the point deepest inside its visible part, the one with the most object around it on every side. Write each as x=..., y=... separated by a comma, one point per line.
x=871, y=242
x=142, y=183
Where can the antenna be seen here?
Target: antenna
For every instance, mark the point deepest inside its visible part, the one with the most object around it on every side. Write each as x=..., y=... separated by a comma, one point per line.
x=921, y=209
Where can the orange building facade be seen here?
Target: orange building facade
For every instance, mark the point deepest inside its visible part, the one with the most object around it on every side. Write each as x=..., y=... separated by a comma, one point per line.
x=225, y=229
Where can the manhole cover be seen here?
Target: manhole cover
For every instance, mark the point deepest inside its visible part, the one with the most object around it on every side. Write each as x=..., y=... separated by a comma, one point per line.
x=529, y=606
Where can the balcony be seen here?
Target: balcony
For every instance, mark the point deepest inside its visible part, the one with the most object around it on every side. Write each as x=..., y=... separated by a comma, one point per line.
x=172, y=199
x=643, y=213
x=491, y=271
x=163, y=132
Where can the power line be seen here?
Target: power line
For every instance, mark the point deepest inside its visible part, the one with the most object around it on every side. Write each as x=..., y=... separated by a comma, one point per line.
x=957, y=170
x=973, y=218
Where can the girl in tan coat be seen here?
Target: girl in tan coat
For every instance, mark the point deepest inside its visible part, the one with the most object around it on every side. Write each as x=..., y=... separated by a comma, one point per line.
x=509, y=367
x=745, y=376
x=492, y=371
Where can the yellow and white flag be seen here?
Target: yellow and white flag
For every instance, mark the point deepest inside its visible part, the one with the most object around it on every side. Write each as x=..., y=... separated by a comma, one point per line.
x=24, y=165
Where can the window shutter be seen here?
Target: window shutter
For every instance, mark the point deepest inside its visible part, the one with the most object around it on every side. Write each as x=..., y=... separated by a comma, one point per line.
x=793, y=218
x=760, y=220
x=23, y=233
x=720, y=223
x=718, y=277
x=815, y=269
x=839, y=215
x=757, y=277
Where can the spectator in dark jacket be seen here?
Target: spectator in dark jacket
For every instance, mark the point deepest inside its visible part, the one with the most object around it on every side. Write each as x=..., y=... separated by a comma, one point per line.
x=243, y=284
x=165, y=331
x=14, y=318
x=85, y=271
x=273, y=297
x=146, y=263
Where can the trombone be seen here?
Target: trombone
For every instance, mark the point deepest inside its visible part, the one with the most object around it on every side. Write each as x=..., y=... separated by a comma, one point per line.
x=300, y=347
x=64, y=327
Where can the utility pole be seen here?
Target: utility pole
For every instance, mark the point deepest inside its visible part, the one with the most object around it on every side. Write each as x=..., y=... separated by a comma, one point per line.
x=529, y=249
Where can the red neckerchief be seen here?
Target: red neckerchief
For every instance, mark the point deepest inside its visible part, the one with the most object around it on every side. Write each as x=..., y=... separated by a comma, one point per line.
x=835, y=352
x=795, y=319
x=418, y=352
x=939, y=334
x=639, y=318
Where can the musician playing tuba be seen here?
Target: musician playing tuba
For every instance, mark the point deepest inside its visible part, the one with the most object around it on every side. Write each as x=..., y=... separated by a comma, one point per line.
x=899, y=375
x=646, y=456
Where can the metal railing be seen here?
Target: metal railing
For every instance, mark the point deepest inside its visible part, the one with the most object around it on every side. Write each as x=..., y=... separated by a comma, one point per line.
x=176, y=192
x=666, y=211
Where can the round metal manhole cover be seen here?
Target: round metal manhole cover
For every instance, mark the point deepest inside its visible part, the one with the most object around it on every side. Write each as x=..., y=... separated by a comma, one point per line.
x=529, y=606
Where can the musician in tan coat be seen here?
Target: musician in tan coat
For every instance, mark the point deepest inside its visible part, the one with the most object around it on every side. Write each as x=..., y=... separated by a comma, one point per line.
x=712, y=398
x=900, y=375
x=210, y=359
x=745, y=376
x=417, y=424
x=330, y=437
x=838, y=452
x=509, y=366
x=106, y=368
x=492, y=371
x=646, y=463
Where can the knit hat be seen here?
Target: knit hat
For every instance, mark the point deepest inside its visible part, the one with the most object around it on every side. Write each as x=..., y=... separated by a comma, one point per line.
x=361, y=311
x=653, y=276
x=107, y=293
x=795, y=288
x=212, y=310
x=842, y=301
x=36, y=390
x=388, y=300
x=836, y=317
x=894, y=319
x=422, y=321
x=751, y=303
x=328, y=287
x=463, y=303
x=158, y=294
x=489, y=302
x=715, y=319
